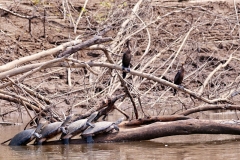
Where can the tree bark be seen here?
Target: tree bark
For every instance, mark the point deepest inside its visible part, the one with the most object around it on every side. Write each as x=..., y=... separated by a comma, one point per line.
x=162, y=129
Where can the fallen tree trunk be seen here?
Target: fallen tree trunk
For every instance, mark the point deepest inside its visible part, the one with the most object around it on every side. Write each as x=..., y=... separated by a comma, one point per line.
x=163, y=129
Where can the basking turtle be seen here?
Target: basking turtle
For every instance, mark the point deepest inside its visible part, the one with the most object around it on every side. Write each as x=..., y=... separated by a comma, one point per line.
x=26, y=136
x=52, y=130
x=100, y=127
x=77, y=127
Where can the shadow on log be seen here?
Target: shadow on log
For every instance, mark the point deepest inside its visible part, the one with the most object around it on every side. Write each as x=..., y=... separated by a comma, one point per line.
x=162, y=129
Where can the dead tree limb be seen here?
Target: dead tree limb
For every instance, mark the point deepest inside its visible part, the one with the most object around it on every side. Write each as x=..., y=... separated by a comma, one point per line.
x=149, y=120
x=15, y=100
x=36, y=56
x=44, y=65
x=162, y=81
x=134, y=72
x=103, y=104
x=106, y=110
x=121, y=111
x=16, y=96
x=83, y=45
x=33, y=93
x=17, y=15
x=213, y=72
x=210, y=107
x=36, y=103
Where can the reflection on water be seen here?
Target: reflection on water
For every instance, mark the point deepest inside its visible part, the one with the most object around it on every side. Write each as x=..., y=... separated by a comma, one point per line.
x=174, y=147
x=132, y=150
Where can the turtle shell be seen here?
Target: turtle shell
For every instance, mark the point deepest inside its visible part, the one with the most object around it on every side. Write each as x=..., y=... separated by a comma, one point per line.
x=22, y=138
x=99, y=127
x=77, y=127
x=51, y=130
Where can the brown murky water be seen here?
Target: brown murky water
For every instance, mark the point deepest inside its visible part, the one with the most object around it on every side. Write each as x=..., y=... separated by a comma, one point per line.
x=177, y=147
x=136, y=150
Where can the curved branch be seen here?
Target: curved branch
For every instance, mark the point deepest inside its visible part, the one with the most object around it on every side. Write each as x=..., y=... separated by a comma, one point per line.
x=212, y=73
x=22, y=101
x=18, y=15
x=133, y=72
x=36, y=56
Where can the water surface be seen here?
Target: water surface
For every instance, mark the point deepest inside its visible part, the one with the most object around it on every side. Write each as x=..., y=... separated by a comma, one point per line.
x=174, y=148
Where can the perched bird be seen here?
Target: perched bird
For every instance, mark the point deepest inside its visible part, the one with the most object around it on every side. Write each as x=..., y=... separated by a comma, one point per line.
x=178, y=78
x=126, y=59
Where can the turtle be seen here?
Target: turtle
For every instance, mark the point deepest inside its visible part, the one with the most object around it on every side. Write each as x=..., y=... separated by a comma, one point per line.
x=77, y=127
x=52, y=130
x=26, y=136
x=100, y=128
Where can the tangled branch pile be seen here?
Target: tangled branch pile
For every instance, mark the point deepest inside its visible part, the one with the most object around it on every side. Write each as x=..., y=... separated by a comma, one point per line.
x=75, y=65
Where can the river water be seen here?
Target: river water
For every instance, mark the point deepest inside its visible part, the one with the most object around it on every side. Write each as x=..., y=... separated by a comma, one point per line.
x=175, y=147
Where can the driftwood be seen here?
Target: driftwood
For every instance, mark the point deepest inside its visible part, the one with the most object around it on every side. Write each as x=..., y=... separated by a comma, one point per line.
x=210, y=107
x=162, y=129
x=149, y=120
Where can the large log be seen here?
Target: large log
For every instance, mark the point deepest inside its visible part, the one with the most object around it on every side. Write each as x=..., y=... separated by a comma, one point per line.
x=162, y=129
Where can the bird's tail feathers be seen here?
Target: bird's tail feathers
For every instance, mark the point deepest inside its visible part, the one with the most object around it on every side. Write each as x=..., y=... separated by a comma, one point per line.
x=174, y=92
x=124, y=74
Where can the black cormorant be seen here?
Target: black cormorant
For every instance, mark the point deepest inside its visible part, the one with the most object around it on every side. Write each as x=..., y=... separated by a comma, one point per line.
x=178, y=78
x=126, y=59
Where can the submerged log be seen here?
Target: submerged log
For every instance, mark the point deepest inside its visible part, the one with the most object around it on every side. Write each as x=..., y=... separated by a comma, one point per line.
x=162, y=129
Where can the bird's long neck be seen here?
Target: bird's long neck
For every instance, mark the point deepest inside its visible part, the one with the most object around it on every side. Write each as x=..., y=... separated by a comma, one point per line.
x=128, y=45
x=182, y=70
